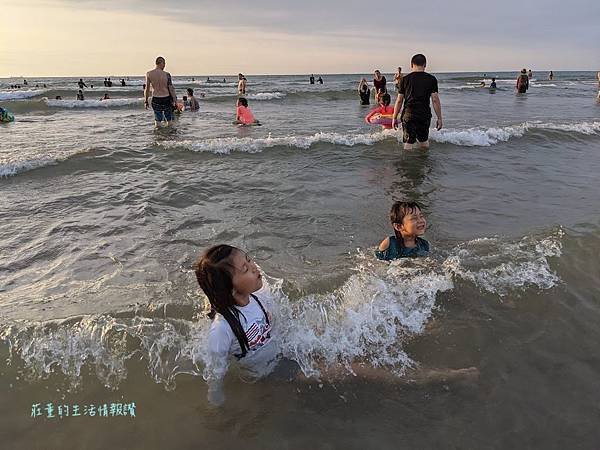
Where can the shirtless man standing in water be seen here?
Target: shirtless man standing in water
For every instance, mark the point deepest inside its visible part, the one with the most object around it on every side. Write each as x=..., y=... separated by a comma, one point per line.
x=163, y=93
x=241, y=84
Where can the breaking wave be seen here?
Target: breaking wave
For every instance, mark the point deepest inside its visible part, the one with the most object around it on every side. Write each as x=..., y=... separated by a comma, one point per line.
x=110, y=103
x=369, y=318
x=21, y=94
x=470, y=137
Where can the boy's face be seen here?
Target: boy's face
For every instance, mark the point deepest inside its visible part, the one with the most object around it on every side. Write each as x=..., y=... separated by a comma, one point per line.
x=413, y=224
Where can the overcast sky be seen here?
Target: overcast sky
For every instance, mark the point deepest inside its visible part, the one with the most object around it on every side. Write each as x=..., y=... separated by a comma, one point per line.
x=82, y=37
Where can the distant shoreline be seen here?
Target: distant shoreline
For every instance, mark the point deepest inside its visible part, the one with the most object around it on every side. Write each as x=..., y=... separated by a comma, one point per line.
x=200, y=77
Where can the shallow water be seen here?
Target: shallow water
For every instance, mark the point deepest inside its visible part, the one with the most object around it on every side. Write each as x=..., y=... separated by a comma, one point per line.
x=102, y=218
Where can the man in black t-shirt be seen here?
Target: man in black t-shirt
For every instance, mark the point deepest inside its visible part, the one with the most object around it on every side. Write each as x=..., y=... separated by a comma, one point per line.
x=416, y=89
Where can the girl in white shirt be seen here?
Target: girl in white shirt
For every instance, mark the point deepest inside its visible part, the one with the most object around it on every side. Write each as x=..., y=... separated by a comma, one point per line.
x=241, y=327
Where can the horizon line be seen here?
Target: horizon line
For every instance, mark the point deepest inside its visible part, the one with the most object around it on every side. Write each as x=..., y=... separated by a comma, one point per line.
x=294, y=74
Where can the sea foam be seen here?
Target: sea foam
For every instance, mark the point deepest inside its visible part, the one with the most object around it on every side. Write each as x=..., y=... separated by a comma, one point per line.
x=468, y=137
x=369, y=318
x=21, y=94
x=109, y=103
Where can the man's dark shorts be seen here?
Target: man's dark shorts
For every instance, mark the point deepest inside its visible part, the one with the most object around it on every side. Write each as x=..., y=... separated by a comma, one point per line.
x=163, y=108
x=415, y=130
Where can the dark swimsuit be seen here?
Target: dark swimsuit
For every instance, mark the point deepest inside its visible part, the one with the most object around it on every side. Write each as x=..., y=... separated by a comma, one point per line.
x=162, y=103
x=364, y=96
x=396, y=249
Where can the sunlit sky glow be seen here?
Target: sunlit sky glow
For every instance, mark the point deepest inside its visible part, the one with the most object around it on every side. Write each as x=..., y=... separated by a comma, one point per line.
x=123, y=37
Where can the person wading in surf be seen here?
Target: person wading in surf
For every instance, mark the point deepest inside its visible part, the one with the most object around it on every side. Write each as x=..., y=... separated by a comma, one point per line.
x=164, y=97
x=416, y=89
x=522, y=82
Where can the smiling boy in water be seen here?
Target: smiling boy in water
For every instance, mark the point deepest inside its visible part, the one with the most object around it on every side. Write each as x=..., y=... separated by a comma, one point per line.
x=409, y=223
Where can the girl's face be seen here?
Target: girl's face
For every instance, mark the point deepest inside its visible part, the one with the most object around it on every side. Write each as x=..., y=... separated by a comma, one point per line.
x=246, y=277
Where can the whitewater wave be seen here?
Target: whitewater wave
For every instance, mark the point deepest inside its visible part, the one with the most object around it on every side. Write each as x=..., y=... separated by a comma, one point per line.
x=258, y=96
x=13, y=168
x=485, y=137
x=265, y=96
x=502, y=267
x=469, y=137
x=368, y=319
x=254, y=145
x=21, y=94
x=110, y=103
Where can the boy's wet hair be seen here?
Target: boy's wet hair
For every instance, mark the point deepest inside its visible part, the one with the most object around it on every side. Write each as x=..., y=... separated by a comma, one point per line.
x=399, y=210
x=386, y=99
x=242, y=101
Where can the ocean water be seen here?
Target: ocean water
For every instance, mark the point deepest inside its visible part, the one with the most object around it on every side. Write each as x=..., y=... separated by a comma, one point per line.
x=102, y=218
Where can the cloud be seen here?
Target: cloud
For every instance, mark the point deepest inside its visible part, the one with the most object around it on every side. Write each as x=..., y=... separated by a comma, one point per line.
x=528, y=23
x=268, y=36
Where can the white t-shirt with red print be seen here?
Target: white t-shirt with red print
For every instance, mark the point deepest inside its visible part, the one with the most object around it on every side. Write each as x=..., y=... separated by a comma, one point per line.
x=223, y=346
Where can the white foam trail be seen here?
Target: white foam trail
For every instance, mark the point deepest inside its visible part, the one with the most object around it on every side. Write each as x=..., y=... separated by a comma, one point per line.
x=469, y=137
x=254, y=145
x=110, y=103
x=265, y=96
x=133, y=83
x=367, y=319
x=13, y=168
x=502, y=267
x=485, y=137
x=477, y=137
x=10, y=168
x=21, y=94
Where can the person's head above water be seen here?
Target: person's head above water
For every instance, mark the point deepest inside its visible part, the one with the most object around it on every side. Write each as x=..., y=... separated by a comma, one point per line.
x=385, y=99
x=407, y=219
x=227, y=275
x=418, y=60
x=242, y=102
x=190, y=91
x=160, y=62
